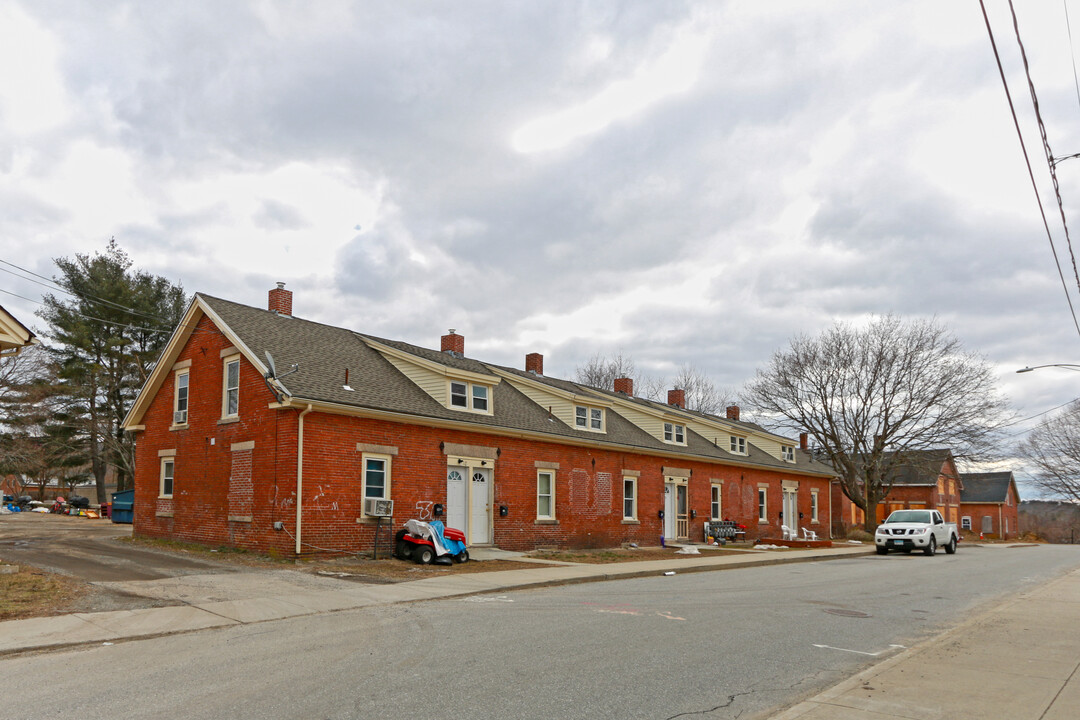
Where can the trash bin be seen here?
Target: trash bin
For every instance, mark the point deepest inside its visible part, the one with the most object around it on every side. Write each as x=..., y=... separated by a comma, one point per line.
x=123, y=506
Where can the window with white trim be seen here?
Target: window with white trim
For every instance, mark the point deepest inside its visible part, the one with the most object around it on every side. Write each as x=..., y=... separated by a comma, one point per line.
x=470, y=396
x=180, y=398
x=813, y=506
x=674, y=433
x=965, y=522
x=738, y=445
x=763, y=505
x=787, y=452
x=168, y=468
x=230, y=382
x=715, y=507
x=376, y=476
x=588, y=418
x=629, y=498
x=545, y=495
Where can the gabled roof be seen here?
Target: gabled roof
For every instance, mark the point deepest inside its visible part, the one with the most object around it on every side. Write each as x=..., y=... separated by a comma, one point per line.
x=919, y=467
x=323, y=354
x=988, y=487
x=14, y=336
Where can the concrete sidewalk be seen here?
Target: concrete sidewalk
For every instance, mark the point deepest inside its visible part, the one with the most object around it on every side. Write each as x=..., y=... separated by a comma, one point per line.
x=1019, y=660
x=119, y=625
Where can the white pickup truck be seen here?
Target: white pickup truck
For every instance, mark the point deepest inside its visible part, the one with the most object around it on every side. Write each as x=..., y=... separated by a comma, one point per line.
x=908, y=530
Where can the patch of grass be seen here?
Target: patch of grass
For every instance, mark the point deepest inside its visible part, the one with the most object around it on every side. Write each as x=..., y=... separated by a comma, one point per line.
x=36, y=593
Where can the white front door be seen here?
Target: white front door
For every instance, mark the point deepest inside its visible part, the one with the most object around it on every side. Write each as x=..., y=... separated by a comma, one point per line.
x=479, y=532
x=669, y=511
x=457, y=498
x=791, y=510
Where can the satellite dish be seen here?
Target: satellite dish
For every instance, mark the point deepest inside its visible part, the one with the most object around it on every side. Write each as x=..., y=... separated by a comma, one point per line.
x=270, y=364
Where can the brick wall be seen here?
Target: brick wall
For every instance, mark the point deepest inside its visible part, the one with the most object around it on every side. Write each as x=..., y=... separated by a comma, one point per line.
x=233, y=480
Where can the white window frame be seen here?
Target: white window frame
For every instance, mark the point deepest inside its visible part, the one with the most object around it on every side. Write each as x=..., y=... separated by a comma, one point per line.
x=169, y=463
x=787, y=452
x=589, y=418
x=387, y=461
x=550, y=495
x=763, y=505
x=716, y=502
x=630, y=481
x=186, y=374
x=813, y=506
x=473, y=403
x=965, y=522
x=226, y=389
x=674, y=433
x=738, y=445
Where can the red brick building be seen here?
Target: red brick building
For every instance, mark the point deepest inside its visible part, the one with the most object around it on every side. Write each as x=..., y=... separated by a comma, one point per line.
x=924, y=479
x=299, y=453
x=990, y=504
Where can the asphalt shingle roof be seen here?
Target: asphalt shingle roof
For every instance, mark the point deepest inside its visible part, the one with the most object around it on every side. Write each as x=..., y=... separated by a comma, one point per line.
x=989, y=487
x=323, y=353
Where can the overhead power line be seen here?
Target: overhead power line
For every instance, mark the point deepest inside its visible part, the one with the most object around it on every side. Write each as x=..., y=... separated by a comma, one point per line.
x=1027, y=161
x=1050, y=163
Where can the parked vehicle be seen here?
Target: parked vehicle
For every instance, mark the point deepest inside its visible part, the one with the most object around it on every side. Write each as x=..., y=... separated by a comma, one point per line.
x=425, y=543
x=908, y=530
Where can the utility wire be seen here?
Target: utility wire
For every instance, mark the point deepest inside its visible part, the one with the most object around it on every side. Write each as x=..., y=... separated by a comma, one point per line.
x=1027, y=161
x=1072, y=50
x=53, y=285
x=1046, y=144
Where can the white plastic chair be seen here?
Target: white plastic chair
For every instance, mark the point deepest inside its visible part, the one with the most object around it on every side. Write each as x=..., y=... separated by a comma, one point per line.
x=809, y=534
x=789, y=534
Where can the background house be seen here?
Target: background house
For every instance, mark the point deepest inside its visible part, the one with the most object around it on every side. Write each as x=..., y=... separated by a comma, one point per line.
x=300, y=453
x=989, y=504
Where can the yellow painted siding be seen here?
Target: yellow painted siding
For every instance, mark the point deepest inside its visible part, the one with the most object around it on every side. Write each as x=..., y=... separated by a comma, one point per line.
x=432, y=383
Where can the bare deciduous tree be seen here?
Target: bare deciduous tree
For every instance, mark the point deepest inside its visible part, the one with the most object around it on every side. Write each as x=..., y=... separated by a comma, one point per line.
x=1053, y=449
x=702, y=394
x=601, y=371
x=870, y=396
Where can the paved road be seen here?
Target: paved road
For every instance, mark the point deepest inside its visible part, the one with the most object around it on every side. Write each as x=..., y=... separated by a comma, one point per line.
x=737, y=643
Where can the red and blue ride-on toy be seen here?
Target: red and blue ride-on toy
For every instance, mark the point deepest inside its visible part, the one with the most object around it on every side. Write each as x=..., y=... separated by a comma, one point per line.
x=425, y=543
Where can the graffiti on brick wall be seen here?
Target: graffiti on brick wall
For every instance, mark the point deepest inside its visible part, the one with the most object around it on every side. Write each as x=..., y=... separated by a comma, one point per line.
x=590, y=497
x=423, y=510
x=314, y=503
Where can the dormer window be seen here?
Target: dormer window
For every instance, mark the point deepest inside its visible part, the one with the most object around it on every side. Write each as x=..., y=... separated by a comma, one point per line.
x=587, y=418
x=470, y=396
x=738, y=445
x=674, y=433
x=787, y=452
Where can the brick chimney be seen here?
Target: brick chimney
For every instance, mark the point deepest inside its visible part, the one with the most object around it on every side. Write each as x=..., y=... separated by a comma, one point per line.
x=454, y=343
x=804, y=441
x=534, y=363
x=677, y=397
x=733, y=412
x=625, y=386
x=280, y=300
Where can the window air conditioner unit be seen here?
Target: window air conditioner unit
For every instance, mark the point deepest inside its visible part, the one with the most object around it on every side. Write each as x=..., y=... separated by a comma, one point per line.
x=179, y=417
x=376, y=507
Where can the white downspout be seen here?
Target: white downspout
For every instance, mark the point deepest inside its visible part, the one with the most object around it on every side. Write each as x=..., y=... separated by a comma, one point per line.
x=300, y=475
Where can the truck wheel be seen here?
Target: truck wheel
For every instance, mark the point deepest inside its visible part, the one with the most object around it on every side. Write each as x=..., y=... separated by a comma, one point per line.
x=951, y=547
x=423, y=554
x=932, y=547
x=882, y=550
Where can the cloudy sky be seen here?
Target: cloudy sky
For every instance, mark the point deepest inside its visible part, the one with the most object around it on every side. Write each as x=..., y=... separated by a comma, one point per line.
x=685, y=182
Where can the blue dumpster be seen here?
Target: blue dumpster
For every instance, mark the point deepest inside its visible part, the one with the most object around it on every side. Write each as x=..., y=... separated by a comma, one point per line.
x=123, y=506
